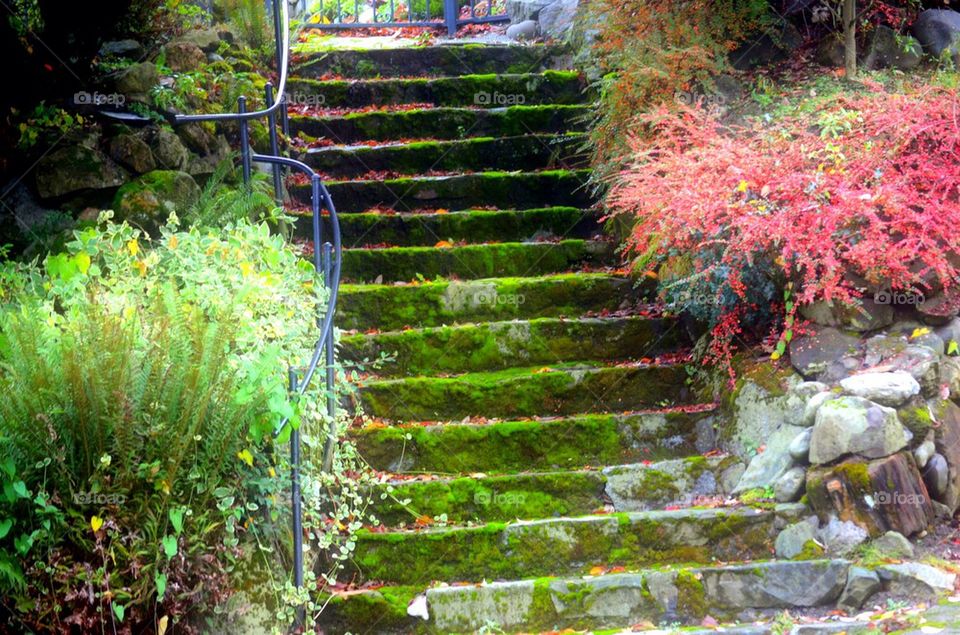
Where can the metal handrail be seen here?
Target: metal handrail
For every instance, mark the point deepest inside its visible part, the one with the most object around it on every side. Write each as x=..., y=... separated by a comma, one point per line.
x=326, y=261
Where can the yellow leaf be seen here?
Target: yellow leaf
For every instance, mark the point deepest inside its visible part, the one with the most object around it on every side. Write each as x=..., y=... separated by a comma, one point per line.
x=246, y=268
x=597, y=571
x=920, y=332
x=96, y=523
x=83, y=262
x=444, y=244
x=141, y=266
x=246, y=457
x=743, y=186
x=272, y=472
x=174, y=241
x=775, y=356
x=162, y=625
x=133, y=247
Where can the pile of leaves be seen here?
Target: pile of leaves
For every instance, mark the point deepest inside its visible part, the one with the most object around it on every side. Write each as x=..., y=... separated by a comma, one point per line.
x=859, y=196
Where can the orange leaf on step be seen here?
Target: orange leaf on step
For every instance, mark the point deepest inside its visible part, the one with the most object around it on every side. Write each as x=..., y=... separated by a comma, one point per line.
x=597, y=571
x=545, y=369
x=444, y=244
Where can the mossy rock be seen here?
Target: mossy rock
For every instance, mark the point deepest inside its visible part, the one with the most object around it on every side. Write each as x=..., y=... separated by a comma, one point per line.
x=147, y=201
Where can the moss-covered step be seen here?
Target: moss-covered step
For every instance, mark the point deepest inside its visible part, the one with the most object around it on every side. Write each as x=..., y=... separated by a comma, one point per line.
x=531, y=495
x=564, y=546
x=487, y=91
x=439, y=60
x=477, y=226
x=503, y=190
x=391, y=307
x=474, y=261
x=524, y=392
x=537, y=444
x=527, y=152
x=499, y=345
x=445, y=123
x=674, y=594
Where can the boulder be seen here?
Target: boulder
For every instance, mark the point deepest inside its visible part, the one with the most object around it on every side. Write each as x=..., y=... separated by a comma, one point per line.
x=924, y=451
x=813, y=355
x=523, y=31
x=776, y=585
x=947, y=440
x=916, y=580
x=853, y=425
x=887, y=49
x=207, y=40
x=879, y=496
x=936, y=476
x=147, y=201
x=887, y=389
x=800, y=446
x=796, y=538
x=773, y=45
x=132, y=152
x=841, y=537
x=941, y=308
x=861, y=585
x=76, y=168
x=865, y=315
x=168, y=150
x=136, y=82
x=938, y=30
x=893, y=545
x=523, y=10
x=923, y=364
x=881, y=347
x=557, y=19
x=813, y=405
x=789, y=487
x=130, y=49
x=184, y=56
x=831, y=51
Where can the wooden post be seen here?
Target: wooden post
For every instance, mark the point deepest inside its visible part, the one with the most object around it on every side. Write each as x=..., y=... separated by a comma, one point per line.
x=850, y=37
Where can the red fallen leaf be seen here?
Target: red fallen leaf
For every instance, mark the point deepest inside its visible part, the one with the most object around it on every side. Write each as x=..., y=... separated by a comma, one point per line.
x=444, y=244
x=424, y=521
x=597, y=570
x=48, y=68
x=617, y=569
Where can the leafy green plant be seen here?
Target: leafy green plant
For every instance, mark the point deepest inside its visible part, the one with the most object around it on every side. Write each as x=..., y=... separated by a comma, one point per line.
x=46, y=124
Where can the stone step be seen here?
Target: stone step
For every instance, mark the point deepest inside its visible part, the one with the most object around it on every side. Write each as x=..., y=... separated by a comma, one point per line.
x=474, y=261
x=568, y=546
x=392, y=307
x=670, y=595
x=526, y=152
x=443, y=60
x=445, y=123
x=537, y=444
x=486, y=91
x=500, y=345
x=686, y=482
x=525, y=392
x=477, y=226
x=503, y=190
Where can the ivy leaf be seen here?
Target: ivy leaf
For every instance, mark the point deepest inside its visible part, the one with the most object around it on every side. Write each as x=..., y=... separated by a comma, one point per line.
x=119, y=610
x=160, y=580
x=169, y=546
x=5, y=526
x=176, y=519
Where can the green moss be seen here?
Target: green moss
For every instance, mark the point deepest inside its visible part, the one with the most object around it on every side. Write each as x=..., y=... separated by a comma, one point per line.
x=691, y=597
x=381, y=611
x=856, y=473
x=811, y=551
x=917, y=418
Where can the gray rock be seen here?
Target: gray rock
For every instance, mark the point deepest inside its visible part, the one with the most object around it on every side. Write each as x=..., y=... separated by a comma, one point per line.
x=936, y=475
x=793, y=539
x=886, y=49
x=807, y=389
x=776, y=585
x=830, y=52
x=557, y=19
x=611, y=597
x=868, y=315
x=523, y=10
x=938, y=30
x=915, y=580
x=136, y=81
x=629, y=486
x=812, y=355
x=800, y=446
x=731, y=476
x=207, y=40
x=789, y=487
x=773, y=45
x=924, y=451
x=886, y=389
x=458, y=609
x=813, y=405
x=881, y=347
x=861, y=585
x=923, y=364
x=526, y=30
x=183, y=56
x=768, y=466
x=148, y=201
x=168, y=150
x=132, y=152
x=853, y=425
x=893, y=545
x=841, y=537
x=122, y=48
x=76, y=168
x=950, y=375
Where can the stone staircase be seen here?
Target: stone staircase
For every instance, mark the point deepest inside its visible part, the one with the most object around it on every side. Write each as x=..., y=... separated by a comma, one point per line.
x=552, y=465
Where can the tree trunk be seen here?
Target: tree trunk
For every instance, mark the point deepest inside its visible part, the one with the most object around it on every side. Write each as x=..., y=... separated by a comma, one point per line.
x=850, y=37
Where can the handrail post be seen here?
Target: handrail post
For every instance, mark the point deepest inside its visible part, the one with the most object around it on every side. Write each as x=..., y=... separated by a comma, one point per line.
x=296, y=501
x=452, y=16
x=317, y=228
x=330, y=368
x=244, y=140
x=274, y=144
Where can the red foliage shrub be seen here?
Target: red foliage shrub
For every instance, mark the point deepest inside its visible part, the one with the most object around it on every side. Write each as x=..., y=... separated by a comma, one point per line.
x=866, y=198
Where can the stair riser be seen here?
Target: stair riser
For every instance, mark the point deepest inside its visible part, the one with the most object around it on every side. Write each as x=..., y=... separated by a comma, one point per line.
x=508, y=344
x=440, y=303
x=473, y=261
x=547, y=495
x=454, y=193
x=446, y=123
x=564, y=546
x=547, y=393
x=425, y=230
x=513, y=153
x=484, y=91
x=433, y=61
x=513, y=446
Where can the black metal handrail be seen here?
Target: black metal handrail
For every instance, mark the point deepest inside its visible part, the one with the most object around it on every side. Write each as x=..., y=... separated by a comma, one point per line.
x=326, y=261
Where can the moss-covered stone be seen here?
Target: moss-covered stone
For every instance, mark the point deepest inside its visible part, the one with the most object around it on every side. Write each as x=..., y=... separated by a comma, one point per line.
x=147, y=201
x=499, y=345
x=525, y=392
x=445, y=123
x=390, y=307
x=473, y=261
